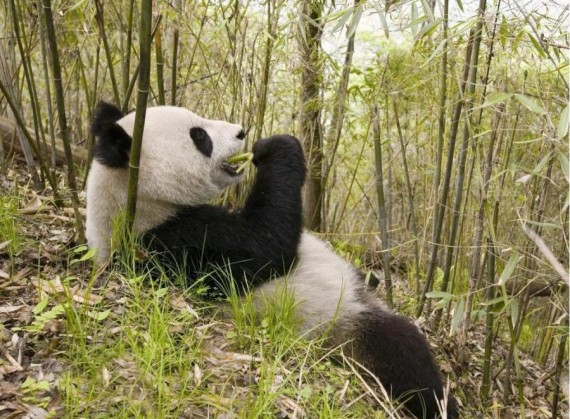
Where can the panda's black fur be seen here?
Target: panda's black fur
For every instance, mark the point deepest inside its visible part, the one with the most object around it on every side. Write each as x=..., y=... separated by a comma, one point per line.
x=263, y=241
x=255, y=244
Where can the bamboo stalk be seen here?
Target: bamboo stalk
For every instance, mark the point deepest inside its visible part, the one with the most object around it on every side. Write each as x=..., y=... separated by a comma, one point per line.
x=262, y=102
x=39, y=184
x=145, y=39
x=64, y=132
x=174, y=67
x=442, y=202
x=525, y=299
x=21, y=38
x=382, y=219
x=467, y=137
x=50, y=114
x=135, y=77
x=353, y=180
x=476, y=268
x=128, y=49
x=159, y=65
x=489, y=322
x=310, y=120
x=101, y=23
x=442, y=99
x=339, y=110
x=559, y=366
x=91, y=141
x=410, y=196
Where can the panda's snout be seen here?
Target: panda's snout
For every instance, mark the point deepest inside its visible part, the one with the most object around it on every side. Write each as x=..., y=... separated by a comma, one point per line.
x=241, y=135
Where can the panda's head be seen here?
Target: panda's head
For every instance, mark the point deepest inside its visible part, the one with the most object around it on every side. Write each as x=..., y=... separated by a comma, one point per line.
x=183, y=156
x=183, y=163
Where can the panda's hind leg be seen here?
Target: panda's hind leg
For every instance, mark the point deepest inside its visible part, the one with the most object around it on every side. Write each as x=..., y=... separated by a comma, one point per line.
x=397, y=353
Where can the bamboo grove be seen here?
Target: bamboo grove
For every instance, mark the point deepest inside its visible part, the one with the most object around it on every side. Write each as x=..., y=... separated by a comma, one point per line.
x=436, y=138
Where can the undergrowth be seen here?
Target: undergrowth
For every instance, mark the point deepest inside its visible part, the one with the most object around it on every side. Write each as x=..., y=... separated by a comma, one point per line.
x=11, y=241
x=152, y=348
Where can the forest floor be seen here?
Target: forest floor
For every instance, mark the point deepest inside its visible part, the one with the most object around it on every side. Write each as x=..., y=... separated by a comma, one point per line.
x=43, y=275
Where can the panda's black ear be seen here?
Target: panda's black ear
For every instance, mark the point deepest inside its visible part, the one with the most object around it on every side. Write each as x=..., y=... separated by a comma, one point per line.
x=113, y=143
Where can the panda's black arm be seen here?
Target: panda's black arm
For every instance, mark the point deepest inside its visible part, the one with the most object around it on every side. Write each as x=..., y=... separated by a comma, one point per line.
x=255, y=244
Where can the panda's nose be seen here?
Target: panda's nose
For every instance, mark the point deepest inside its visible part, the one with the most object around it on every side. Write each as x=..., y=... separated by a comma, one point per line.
x=241, y=135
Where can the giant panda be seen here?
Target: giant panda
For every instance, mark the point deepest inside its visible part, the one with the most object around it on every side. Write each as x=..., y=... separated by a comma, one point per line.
x=263, y=245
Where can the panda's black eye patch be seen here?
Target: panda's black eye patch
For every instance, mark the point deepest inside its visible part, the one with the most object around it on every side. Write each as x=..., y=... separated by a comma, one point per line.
x=202, y=141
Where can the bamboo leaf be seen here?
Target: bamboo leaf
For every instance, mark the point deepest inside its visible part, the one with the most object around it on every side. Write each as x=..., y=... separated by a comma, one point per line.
x=496, y=300
x=517, y=40
x=99, y=315
x=427, y=10
x=544, y=225
x=495, y=99
x=515, y=312
x=460, y=4
x=354, y=22
x=40, y=306
x=414, y=22
x=530, y=103
x=346, y=14
x=430, y=28
x=536, y=45
x=567, y=203
x=458, y=315
x=509, y=269
x=88, y=255
x=564, y=165
x=439, y=295
x=543, y=162
x=435, y=53
x=504, y=32
x=383, y=20
x=563, y=125
x=76, y=6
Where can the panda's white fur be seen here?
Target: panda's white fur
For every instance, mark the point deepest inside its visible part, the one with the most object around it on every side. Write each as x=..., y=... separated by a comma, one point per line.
x=264, y=240
x=326, y=287
x=186, y=177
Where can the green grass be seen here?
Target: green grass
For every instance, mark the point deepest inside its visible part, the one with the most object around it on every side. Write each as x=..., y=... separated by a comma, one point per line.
x=149, y=350
x=8, y=225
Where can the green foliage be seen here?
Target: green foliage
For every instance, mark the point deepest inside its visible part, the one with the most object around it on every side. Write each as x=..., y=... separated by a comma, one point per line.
x=10, y=236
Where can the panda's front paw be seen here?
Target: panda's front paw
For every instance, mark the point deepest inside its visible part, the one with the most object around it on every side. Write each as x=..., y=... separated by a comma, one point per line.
x=280, y=152
x=276, y=148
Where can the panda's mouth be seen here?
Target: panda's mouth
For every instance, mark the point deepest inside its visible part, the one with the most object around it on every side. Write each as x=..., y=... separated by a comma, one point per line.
x=231, y=168
x=235, y=165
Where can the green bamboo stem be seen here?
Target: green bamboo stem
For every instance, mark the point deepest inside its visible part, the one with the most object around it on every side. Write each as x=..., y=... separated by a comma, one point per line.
x=33, y=98
x=135, y=77
x=410, y=196
x=339, y=110
x=382, y=219
x=145, y=40
x=489, y=320
x=128, y=49
x=159, y=65
x=99, y=17
x=91, y=138
x=310, y=124
x=174, y=67
x=262, y=103
x=467, y=137
x=559, y=366
x=442, y=99
x=43, y=49
x=476, y=268
x=442, y=203
x=64, y=131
